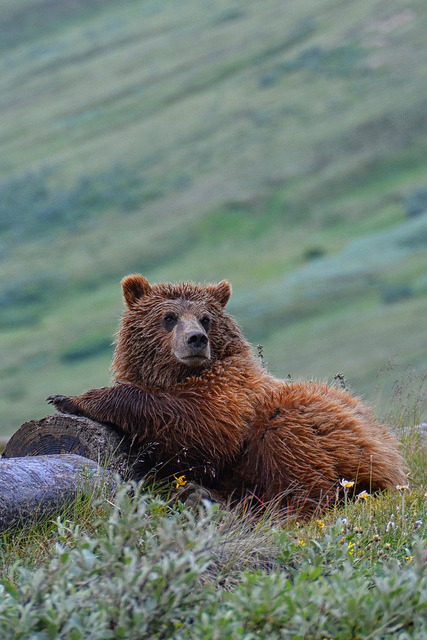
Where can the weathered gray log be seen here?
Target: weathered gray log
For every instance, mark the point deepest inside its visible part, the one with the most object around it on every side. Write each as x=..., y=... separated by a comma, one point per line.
x=62, y=433
x=41, y=465
x=38, y=486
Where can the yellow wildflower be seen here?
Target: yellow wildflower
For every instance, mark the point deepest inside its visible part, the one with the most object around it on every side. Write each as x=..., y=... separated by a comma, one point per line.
x=180, y=481
x=320, y=524
x=301, y=543
x=410, y=558
x=363, y=495
x=350, y=548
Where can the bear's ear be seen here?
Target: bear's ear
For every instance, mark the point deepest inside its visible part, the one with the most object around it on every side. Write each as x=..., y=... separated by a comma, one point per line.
x=135, y=287
x=221, y=292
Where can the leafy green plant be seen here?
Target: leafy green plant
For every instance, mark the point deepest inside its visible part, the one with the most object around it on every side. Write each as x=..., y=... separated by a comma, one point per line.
x=144, y=569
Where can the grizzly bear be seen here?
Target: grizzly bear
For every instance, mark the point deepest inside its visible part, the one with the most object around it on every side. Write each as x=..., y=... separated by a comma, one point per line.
x=187, y=384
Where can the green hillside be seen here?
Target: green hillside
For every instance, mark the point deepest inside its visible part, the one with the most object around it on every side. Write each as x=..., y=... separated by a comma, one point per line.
x=281, y=145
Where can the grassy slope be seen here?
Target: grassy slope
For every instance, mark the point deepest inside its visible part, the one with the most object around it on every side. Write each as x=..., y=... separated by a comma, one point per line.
x=137, y=566
x=251, y=134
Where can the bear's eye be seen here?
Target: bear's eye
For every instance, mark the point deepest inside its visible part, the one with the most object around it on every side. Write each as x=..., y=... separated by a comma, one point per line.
x=169, y=321
x=205, y=322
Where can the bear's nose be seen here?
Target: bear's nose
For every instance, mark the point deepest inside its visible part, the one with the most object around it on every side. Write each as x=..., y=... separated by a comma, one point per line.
x=197, y=340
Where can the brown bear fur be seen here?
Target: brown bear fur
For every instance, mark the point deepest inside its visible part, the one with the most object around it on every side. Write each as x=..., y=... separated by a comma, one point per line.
x=186, y=380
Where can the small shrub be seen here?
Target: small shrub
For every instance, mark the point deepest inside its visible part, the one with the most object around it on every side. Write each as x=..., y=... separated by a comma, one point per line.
x=313, y=253
x=396, y=293
x=269, y=78
x=88, y=348
x=338, y=61
x=229, y=15
x=31, y=205
x=22, y=297
x=29, y=288
x=416, y=202
x=143, y=569
x=136, y=577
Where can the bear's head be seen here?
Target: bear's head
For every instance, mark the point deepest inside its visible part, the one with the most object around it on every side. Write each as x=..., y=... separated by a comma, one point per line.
x=170, y=332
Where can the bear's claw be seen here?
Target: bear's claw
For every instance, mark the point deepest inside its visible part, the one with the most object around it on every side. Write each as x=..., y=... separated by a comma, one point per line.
x=53, y=399
x=62, y=403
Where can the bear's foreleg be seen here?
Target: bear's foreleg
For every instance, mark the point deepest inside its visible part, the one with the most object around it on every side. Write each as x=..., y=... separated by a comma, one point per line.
x=188, y=426
x=121, y=405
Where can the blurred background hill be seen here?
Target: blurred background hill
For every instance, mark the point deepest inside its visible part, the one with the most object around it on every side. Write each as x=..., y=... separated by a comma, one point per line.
x=280, y=145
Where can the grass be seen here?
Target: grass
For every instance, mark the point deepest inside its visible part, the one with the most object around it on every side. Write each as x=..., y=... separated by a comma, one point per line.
x=281, y=146
x=141, y=559
x=139, y=565
x=277, y=146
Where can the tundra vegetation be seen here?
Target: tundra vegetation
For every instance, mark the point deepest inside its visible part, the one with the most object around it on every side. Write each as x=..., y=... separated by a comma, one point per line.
x=140, y=564
x=282, y=146
x=279, y=145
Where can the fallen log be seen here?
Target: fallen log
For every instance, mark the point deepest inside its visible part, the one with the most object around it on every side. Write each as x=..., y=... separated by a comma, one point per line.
x=48, y=462
x=38, y=486
x=61, y=433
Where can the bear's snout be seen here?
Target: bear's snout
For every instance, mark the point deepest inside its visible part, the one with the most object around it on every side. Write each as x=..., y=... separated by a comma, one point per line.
x=191, y=343
x=197, y=341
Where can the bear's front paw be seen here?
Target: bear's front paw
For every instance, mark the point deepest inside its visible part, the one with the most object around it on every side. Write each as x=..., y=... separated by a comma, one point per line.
x=63, y=404
x=193, y=494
